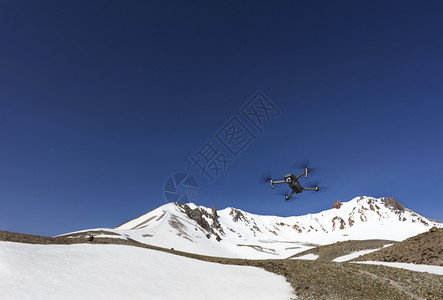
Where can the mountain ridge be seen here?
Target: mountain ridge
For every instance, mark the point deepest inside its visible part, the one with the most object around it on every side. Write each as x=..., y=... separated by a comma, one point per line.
x=231, y=232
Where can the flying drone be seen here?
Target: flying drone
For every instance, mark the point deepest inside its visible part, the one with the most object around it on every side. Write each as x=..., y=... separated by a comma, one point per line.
x=293, y=183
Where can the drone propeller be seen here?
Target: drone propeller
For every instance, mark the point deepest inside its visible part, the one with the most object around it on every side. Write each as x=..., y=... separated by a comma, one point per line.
x=321, y=188
x=281, y=193
x=324, y=188
x=305, y=164
x=265, y=177
x=302, y=163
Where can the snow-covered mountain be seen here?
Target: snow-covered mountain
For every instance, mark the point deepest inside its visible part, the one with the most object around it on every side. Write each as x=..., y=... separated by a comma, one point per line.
x=234, y=233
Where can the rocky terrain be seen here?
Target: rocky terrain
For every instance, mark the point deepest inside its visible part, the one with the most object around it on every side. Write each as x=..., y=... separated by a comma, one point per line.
x=309, y=279
x=425, y=248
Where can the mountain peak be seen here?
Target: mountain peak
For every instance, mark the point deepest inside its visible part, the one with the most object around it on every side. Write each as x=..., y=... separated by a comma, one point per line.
x=232, y=232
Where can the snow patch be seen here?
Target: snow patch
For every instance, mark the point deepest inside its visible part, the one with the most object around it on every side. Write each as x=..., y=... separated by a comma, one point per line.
x=413, y=267
x=309, y=256
x=354, y=255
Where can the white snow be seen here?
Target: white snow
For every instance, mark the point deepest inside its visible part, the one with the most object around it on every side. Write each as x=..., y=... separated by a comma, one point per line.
x=85, y=271
x=309, y=256
x=354, y=255
x=413, y=267
x=357, y=254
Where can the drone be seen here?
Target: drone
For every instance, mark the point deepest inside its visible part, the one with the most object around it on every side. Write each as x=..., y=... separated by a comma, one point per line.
x=293, y=183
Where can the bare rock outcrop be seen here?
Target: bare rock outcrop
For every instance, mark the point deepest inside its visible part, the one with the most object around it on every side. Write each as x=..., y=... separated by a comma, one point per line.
x=337, y=204
x=197, y=215
x=237, y=215
x=390, y=202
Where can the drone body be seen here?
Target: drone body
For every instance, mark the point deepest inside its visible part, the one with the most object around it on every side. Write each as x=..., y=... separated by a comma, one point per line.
x=293, y=183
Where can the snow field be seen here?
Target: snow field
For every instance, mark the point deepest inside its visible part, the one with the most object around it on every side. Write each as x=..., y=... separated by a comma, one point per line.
x=123, y=272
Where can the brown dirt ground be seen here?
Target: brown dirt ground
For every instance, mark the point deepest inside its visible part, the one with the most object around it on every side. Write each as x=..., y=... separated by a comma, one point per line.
x=309, y=279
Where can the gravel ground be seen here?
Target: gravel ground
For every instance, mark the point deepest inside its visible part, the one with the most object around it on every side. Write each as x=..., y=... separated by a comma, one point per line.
x=309, y=279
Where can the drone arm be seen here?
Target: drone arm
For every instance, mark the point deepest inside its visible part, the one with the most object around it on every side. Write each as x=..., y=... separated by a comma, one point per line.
x=278, y=181
x=305, y=172
x=312, y=189
x=272, y=182
x=289, y=196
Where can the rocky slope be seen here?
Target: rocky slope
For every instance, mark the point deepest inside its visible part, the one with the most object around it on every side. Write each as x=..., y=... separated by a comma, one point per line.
x=425, y=248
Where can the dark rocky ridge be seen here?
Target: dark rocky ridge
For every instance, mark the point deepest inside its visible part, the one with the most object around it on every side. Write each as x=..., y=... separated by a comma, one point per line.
x=197, y=214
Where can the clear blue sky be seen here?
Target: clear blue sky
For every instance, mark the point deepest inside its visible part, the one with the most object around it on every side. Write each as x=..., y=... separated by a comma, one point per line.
x=101, y=101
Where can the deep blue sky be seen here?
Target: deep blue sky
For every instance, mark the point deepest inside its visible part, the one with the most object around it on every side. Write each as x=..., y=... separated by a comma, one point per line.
x=101, y=101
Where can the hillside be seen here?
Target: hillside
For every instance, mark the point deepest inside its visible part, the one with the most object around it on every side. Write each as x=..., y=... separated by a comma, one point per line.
x=425, y=248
